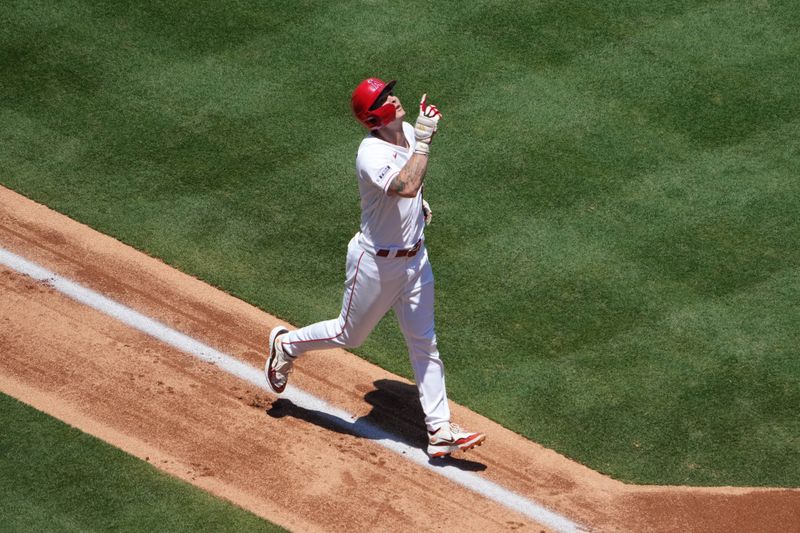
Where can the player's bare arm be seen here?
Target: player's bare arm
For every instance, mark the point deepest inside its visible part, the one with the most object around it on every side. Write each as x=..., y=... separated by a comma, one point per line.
x=408, y=181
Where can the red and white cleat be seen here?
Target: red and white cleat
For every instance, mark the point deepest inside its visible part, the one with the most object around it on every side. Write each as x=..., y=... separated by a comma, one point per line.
x=450, y=438
x=279, y=364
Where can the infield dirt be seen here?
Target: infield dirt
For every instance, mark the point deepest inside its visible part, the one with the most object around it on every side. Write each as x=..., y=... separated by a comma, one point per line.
x=280, y=461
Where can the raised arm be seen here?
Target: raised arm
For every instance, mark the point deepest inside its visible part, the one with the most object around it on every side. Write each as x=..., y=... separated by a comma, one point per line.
x=408, y=181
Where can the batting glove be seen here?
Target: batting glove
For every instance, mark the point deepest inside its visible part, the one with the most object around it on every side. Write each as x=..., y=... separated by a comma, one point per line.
x=426, y=126
x=426, y=212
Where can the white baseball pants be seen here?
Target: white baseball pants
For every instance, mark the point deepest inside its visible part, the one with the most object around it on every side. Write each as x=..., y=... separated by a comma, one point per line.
x=372, y=287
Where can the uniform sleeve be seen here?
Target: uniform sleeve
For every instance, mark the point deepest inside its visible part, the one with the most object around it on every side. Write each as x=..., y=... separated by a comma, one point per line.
x=377, y=167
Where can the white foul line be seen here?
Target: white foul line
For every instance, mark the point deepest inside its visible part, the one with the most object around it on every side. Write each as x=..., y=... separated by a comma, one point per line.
x=255, y=376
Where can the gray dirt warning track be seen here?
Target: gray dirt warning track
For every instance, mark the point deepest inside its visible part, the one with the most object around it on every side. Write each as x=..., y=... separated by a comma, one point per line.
x=289, y=462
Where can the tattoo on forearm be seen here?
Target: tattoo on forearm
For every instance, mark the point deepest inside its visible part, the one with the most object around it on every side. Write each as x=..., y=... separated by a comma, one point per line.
x=411, y=176
x=398, y=185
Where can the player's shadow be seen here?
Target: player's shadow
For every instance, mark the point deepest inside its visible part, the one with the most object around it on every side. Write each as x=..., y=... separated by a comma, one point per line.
x=396, y=415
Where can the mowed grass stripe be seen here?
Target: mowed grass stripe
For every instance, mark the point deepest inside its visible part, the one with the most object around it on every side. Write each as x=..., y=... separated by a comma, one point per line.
x=712, y=379
x=732, y=72
x=601, y=171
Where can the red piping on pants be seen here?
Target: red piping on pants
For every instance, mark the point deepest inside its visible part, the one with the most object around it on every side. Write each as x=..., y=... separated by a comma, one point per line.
x=347, y=313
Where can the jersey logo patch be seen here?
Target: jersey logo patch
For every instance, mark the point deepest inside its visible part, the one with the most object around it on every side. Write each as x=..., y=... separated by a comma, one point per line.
x=383, y=172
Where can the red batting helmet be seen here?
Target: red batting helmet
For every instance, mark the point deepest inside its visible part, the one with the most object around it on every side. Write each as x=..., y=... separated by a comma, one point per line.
x=369, y=94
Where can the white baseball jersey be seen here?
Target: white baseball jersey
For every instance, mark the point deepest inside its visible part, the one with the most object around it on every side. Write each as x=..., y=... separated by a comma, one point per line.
x=387, y=221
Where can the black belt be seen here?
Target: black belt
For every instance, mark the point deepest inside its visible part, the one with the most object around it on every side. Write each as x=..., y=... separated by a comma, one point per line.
x=408, y=252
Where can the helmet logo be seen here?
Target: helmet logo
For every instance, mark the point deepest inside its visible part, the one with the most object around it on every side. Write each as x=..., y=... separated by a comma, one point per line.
x=363, y=101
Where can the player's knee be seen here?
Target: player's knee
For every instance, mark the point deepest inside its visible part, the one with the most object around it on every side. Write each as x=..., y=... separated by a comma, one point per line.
x=352, y=342
x=423, y=347
x=353, y=338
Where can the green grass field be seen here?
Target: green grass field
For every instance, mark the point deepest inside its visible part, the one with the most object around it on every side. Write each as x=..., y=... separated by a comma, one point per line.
x=615, y=192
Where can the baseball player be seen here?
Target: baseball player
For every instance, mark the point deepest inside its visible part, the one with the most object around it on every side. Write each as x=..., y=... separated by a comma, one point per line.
x=387, y=261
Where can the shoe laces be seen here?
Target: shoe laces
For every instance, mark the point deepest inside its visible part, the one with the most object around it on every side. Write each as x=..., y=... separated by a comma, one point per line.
x=453, y=428
x=286, y=365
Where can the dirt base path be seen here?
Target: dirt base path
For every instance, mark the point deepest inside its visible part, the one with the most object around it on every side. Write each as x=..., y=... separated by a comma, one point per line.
x=286, y=463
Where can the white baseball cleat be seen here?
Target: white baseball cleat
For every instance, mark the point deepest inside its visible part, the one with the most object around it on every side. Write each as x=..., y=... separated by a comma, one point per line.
x=279, y=364
x=450, y=438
